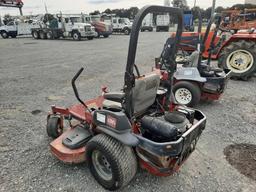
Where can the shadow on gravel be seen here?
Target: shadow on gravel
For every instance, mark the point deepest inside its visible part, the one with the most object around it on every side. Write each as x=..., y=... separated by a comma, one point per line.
x=243, y=158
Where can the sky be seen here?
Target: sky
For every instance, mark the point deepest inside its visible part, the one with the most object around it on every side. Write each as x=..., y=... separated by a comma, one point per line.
x=86, y=6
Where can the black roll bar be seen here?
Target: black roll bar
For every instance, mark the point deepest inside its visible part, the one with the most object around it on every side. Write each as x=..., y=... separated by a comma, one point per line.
x=129, y=80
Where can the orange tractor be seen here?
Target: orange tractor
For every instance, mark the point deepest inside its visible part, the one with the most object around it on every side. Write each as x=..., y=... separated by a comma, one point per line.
x=236, y=52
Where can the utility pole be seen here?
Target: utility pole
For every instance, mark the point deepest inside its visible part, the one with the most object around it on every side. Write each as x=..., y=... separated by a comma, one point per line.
x=213, y=7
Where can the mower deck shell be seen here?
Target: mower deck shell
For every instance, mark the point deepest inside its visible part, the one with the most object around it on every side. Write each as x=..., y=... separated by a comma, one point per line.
x=65, y=154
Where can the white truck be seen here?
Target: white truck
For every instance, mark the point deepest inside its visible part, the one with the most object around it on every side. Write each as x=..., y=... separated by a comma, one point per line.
x=147, y=23
x=15, y=28
x=121, y=25
x=162, y=22
x=65, y=27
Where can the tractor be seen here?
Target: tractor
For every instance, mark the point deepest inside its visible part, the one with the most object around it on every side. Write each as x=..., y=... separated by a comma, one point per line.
x=236, y=52
x=117, y=132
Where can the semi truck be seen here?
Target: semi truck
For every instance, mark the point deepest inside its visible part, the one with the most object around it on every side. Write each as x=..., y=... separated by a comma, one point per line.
x=162, y=23
x=101, y=28
x=65, y=27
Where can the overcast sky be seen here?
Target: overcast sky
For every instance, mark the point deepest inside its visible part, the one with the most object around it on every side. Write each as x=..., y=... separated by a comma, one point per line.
x=86, y=6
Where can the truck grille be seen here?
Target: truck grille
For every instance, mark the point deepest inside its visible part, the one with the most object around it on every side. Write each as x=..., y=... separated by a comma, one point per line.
x=88, y=28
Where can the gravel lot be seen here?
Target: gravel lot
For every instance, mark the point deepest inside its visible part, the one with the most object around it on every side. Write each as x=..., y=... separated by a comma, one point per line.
x=35, y=74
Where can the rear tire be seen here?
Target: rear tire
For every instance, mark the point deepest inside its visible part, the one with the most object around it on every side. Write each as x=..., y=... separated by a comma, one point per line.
x=112, y=164
x=4, y=35
x=42, y=35
x=240, y=58
x=187, y=93
x=49, y=35
x=35, y=35
x=105, y=36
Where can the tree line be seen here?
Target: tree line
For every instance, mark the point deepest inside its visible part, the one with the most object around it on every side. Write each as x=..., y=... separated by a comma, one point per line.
x=206, y=13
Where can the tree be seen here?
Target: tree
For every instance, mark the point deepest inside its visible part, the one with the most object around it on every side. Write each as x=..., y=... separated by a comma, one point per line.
x=97, y=12
x=219, y=9
x=180, y=3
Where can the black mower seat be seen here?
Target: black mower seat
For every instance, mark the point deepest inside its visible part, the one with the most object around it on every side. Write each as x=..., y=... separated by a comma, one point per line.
x=114, y=96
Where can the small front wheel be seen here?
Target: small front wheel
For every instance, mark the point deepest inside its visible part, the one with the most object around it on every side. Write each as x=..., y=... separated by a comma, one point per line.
x=112, y=164
x=4, y=35
x=127, y=31
x=53, y=127
x=76, y=36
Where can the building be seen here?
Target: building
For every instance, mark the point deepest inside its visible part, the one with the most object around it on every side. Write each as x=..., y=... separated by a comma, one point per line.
x=250, y=2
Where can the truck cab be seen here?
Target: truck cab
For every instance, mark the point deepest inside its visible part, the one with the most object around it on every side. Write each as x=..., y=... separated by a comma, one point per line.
x=75, y=27
x=121, y=25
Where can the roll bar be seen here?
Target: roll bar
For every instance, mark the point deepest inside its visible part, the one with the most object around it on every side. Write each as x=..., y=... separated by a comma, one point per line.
x=129, y=80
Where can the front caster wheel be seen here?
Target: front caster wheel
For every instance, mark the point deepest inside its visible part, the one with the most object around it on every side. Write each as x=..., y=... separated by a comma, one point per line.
x=112, y=164
x=53, y=127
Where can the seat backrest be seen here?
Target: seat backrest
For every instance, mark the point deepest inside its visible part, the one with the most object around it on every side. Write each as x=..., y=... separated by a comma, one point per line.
x=193, y=59
x=144, y=92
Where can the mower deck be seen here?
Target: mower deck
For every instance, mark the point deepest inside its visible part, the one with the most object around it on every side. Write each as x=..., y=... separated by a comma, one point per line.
x=65, y=154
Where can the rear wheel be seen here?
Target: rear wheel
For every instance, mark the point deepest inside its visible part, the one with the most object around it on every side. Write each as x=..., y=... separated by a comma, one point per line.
x=49, y=35
x=105, y=36
x=240, y=58
x=187, y=93
x=42, y=35
x=4, y=35
x=35, y=35
x=112, y=164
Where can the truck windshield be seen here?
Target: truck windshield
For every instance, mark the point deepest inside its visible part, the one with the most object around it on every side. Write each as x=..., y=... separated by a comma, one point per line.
x=76, y=20
x=124, y=21
x=95, y=18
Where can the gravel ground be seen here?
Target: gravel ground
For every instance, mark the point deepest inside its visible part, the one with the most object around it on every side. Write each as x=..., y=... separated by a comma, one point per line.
x=35, y=74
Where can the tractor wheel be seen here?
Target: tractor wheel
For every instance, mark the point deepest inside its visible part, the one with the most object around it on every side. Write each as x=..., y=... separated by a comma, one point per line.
x=35, y=35
x=53, y=127
x=240, y=58
x=112, y=164
x=4, y=35
x=76, y=36
x=187, y=93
